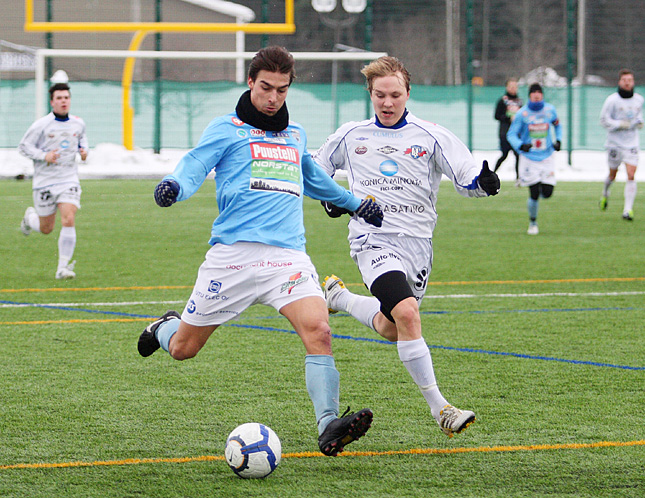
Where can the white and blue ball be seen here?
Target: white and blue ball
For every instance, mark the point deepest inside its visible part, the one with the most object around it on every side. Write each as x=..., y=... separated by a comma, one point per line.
x=253, y=450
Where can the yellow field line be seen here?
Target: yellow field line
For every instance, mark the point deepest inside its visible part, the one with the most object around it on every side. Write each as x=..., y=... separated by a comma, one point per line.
x=315, y=454
x=471, y=282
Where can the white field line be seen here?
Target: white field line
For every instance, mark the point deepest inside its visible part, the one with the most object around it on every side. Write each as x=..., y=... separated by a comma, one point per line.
x=124, y=303
x=445, y=296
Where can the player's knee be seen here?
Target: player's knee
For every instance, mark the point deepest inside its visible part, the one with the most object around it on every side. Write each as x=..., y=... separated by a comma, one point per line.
x=390, y=289
x=183, y=350
x=407, y=313
x=547, y=191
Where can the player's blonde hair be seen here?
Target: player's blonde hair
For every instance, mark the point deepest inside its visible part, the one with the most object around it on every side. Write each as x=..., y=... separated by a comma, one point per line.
x=385, y=66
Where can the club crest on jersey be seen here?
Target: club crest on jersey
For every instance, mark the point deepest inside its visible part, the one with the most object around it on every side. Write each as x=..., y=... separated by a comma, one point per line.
x=214, y=286
x=360, y=150
x=294, y=280
x=416, y=151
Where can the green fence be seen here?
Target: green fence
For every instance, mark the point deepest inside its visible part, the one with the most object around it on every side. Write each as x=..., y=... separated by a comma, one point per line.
x=188, y=107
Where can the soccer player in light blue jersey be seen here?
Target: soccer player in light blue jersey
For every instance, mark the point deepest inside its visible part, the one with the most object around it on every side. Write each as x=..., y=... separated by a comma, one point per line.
x=531, y=135
x=262, y=171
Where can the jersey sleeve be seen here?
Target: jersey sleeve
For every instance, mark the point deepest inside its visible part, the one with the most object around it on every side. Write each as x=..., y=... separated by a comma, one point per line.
x=319, y=185
x=515, y=130
x=28, y=146
x=606, y=119
x=194, y=167
x=456, y=162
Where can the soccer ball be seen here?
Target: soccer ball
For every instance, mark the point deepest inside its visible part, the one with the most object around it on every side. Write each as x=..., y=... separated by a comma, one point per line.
x=253, y=450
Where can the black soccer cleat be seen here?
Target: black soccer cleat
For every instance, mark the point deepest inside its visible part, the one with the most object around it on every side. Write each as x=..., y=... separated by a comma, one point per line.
x=148, y=342
x=344, y=430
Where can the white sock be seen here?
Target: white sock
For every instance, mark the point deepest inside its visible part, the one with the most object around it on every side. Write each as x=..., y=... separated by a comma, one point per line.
x=66, y=245
x=415, y=355
x=34, y=222
x=630, y=195
x=607, y=186
x=364, y=309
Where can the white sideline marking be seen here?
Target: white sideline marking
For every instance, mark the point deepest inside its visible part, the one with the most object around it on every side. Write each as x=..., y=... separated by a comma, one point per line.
x=446, y=296
x=544, y=294
x=126, y=303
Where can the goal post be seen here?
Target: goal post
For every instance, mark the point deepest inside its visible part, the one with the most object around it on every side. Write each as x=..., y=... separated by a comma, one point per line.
x=127, y=113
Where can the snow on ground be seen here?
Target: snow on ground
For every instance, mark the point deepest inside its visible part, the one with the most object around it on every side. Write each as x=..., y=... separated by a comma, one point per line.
x=114, y=161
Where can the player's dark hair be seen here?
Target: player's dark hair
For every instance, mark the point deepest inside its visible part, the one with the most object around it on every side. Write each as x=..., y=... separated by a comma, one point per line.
x=57, y=87
x=274, y=59
x=625, y=71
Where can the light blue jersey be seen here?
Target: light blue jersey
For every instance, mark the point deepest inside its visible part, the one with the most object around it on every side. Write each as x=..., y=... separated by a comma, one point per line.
x=534, y=127
x=261, y=177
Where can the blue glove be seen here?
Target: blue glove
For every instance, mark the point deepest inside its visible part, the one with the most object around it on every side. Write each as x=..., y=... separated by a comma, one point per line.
x=166, y=193
x=371, y=212
x=334, y=211
x=488, y=180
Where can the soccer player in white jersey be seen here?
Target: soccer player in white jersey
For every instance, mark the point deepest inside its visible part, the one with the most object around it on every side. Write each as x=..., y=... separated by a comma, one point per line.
x=53, y=142
x=622, y=116
x=399, y=160
x=262, y=170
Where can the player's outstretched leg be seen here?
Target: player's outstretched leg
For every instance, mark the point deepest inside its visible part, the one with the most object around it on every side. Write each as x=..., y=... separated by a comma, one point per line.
x=342, y=431
x=453, y=420
x=148, y=342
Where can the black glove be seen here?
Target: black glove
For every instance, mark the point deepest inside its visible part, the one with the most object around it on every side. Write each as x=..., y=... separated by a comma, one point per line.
x=525, y=147
x=166, y=193
x=557, y=145
x=334, y=211
x=371, y=212
x=488, y=180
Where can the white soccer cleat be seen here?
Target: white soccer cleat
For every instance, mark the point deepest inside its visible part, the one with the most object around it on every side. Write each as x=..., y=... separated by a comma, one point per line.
x=453, y=420
x=24, y=224
x=533, y=229
x=332, y=286
x=66, y=272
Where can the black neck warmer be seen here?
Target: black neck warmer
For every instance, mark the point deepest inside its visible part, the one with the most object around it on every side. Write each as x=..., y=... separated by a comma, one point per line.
x=247, y=112
x=626, y=94
x=511, y=95
x=61, y=117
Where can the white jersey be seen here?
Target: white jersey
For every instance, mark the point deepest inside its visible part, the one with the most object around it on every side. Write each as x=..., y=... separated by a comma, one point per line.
x=50, y=133
x=401, y=167
x=615, y=111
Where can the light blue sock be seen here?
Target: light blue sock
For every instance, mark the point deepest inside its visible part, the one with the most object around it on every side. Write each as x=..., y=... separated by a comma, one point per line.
x=323, y=385
x=532, y=205
x=165, y=331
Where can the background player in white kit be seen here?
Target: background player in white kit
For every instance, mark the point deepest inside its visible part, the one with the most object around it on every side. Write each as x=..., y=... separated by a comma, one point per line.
x=52, y=142
x=399, y=160
x=622, y=116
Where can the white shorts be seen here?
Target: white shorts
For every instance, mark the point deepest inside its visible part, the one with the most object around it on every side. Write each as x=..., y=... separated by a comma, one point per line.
x=532, y=172
x=376, y=254
x=617, y=155
x=47, y=198
x=235, y=277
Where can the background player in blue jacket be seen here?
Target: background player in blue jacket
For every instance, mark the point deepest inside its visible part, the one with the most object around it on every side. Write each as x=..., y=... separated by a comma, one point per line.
x=530, y=135
x=262, y=170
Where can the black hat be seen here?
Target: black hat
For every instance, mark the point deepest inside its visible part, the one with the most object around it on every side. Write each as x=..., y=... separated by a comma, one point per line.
x=535, y=87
